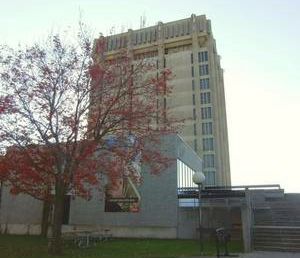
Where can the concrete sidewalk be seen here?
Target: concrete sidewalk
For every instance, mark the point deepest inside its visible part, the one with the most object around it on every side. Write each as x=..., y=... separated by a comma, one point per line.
x=261, y=254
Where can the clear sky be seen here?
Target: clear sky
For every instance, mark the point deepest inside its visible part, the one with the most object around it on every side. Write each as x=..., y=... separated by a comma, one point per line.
x=259, y=43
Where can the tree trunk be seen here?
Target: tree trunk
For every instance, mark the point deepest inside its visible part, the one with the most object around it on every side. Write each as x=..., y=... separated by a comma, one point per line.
x=55, y=243
x=45, y=219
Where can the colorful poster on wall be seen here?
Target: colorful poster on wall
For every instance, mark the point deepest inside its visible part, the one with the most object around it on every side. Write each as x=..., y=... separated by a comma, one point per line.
x=122, y=196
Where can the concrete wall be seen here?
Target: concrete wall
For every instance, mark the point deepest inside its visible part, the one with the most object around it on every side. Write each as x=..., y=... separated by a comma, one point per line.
x=19, y=214
x=212, y=218
x=158, y=215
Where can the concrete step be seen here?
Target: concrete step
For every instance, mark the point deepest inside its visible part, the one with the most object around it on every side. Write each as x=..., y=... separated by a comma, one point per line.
x=276, y=248
x=277, y=235
x=276, y=238
x=276, y=223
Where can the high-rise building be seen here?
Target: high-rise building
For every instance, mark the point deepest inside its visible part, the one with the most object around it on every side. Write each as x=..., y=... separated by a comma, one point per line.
x=188, y=48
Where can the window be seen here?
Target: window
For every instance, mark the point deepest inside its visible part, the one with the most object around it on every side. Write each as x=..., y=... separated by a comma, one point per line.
x=207, y=128
x=208, y=161
x=203, y=56
x=194, y=114
x=208, y=144
x=188, y=28
x=117, y=43
x=192, y=59
x=193, y=71
x=141, y=37
x=194, y=101
x=193, y=85
x=204, y=83
x=166, y=32
x=111, y=44
x=206, y=112
x=195, y=145
x=195, y=129
x=177, y=30
x=203, y=70
x=205, y=98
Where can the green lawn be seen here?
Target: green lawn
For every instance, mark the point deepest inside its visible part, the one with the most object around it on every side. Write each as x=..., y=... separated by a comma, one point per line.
x=35, y=247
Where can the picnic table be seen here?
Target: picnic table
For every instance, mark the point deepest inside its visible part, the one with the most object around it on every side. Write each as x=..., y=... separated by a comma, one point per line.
x=86, y=238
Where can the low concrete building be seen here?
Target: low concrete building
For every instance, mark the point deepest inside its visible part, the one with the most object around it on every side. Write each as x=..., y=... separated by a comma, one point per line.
x=156, y=212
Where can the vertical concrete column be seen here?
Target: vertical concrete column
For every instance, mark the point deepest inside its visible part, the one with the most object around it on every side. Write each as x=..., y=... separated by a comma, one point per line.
x=247, y=221
x=160, y=55
x=160, y=43
x=195, y=50
x=130, y=44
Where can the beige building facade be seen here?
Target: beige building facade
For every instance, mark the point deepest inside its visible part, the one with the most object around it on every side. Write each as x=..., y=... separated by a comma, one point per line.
x=188, y=48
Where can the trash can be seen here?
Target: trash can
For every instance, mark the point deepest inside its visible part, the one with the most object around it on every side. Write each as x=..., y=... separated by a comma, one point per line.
x=222, y=239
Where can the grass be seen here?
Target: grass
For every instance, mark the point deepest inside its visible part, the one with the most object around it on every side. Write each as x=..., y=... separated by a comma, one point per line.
x=12, y=246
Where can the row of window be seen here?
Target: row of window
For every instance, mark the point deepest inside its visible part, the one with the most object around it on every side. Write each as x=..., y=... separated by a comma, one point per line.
x=208, y=144
x=206, y=128
x=203, y=70
x=202, y=57
x=176, y=30
x=204, y=84
x=208, y=161
x=144, y=36
x=137, y=38
x=205, y=98
x=206, y=113
x=116, y=43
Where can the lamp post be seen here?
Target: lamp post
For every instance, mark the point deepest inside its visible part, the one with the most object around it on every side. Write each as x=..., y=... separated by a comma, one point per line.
x=198, y=179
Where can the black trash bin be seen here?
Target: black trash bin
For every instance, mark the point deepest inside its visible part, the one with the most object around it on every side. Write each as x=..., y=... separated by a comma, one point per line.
x=222, y=238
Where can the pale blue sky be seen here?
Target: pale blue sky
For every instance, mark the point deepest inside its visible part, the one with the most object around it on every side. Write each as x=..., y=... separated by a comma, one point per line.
x=259, y=44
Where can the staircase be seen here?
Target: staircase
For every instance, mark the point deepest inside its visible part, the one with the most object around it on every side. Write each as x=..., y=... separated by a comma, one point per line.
x=277, y=224
x=277, y=238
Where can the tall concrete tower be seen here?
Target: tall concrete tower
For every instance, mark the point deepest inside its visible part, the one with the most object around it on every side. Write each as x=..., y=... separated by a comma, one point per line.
x=188, y=48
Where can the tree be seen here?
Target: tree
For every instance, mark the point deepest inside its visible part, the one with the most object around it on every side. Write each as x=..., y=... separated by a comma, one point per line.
x=67, y=114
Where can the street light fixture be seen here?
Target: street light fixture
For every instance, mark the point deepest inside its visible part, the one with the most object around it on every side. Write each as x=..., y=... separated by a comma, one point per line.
x=198, y=179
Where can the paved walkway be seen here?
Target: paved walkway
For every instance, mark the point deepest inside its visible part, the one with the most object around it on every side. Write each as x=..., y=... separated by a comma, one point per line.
x=260, y=254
